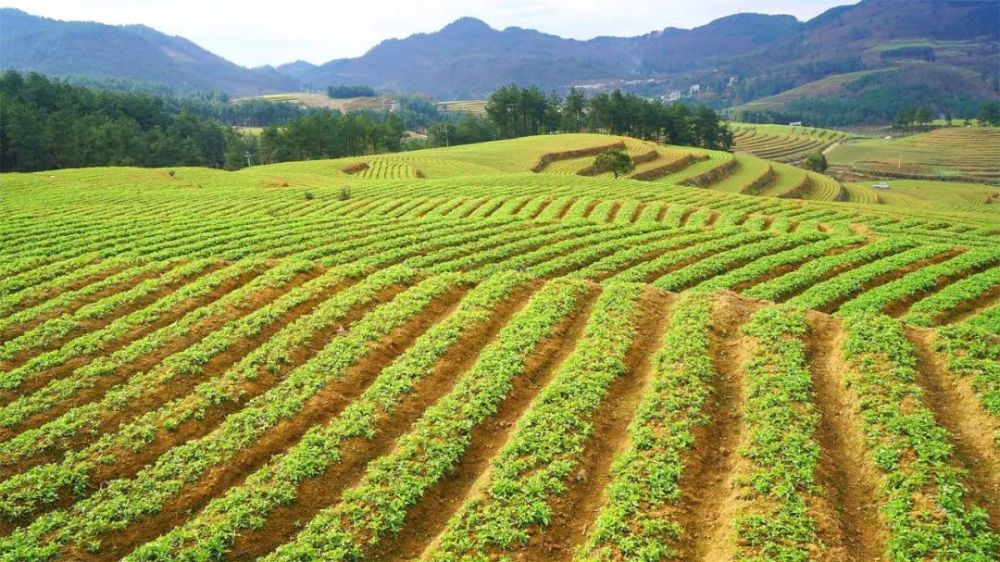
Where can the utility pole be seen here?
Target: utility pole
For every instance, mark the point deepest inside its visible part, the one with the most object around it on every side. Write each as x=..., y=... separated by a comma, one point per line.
x=249, y=162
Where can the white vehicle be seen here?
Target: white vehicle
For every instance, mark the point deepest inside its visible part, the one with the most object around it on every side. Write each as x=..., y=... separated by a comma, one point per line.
x=881, y=185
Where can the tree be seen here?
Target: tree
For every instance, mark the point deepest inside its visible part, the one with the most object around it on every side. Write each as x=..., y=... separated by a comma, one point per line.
x=816, y=161
x=922, y=115
x=615, y=161
x=989, y=114
x=573, y=111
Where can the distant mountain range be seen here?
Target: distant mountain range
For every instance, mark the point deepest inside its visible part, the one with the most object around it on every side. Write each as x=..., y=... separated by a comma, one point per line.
x=132, y=52
x=742, y=56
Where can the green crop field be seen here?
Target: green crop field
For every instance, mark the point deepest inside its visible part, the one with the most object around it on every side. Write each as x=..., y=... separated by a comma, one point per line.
x=969, y=154
x=783, y=143
x=479, y=353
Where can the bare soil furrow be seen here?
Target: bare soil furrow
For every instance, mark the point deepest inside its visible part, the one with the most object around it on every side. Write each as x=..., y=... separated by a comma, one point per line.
x=576, y=510
x=957, y=409
x=845, y=473
x=318, y=410
x=428, y=517
x=318, y=493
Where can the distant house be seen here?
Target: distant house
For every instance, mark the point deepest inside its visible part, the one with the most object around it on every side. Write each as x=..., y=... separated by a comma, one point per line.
x=795, y=124
x=674, y=95
x=694, y=89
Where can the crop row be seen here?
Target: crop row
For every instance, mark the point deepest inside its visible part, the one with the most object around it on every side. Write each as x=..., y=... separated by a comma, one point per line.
x=378, y=503
x=828, y=293
x=634, y=521
x=209, y=534
x=89, y=343
x=924, y=279
x=926, y=312
x=22, y=493
x=924, y=502
x=778, y=485
x=548, y=441
x=770, y=263
x=723, y=261
x=121, y=502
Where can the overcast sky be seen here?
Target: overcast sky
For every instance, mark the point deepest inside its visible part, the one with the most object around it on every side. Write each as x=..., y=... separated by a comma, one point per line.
x=254, y=33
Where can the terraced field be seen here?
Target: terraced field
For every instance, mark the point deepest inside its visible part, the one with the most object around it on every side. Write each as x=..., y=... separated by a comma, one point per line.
x=509, y=364
x=783, y=143
x=969, y=154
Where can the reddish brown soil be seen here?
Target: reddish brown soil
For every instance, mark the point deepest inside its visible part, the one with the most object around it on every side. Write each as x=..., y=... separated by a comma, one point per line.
x=318, y=410
x=317, y=493
x=707, y=489
x=614, y=211
x=845, y=474
x=428, y=517
x=957, y=409
x=576, y=510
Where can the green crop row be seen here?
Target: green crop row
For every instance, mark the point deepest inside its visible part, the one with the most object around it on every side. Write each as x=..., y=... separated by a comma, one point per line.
x=209, y=534
x=829, y=292
x=122, y=502
x=23, y=492
x=548, y=441
x=927, y=311
x=377, y=505
x=800, y=279
x=634, y=522
x=639, y=273
x=768, y=264
x=924, y=279
x=89, y=343
x=779, y=482
x=924, y=502
x=725, y=260
x=56, y=328
x=973, y=351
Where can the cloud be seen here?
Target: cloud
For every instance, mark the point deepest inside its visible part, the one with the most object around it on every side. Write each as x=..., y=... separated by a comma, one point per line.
x=254, y=33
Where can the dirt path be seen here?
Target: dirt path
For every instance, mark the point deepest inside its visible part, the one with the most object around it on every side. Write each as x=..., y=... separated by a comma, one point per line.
x=957, y=409
x=427, y=519
x=576, y=510
x=707, y=491
x=845, y=473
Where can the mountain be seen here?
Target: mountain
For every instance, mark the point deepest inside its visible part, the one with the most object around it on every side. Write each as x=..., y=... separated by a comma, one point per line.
x=734, y=59
x=468, y=58
x=767, y=54
x=133, y=52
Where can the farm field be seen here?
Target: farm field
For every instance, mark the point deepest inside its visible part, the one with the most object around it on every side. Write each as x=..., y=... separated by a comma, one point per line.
x=783, y=143
x=969, y=154
x=478, y=353
x=320, y=99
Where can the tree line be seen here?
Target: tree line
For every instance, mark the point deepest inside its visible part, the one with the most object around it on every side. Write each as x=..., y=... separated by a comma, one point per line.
x=514, y=111
x=50, y=123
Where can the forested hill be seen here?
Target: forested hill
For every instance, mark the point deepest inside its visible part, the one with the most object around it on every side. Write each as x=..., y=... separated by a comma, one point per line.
x=136, y=53
x=734, y=59
x=766, y=54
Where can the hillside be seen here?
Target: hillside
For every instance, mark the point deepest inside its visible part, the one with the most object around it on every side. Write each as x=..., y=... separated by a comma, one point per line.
x=477, y=352
x=767, y=54
x=735, y=59
x=134, y=52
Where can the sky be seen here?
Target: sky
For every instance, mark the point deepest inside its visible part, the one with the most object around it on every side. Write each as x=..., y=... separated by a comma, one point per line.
x=253, y=33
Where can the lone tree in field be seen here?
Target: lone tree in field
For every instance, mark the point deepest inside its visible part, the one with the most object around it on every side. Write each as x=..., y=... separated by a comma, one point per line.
x=616, y=161
x=816, y=161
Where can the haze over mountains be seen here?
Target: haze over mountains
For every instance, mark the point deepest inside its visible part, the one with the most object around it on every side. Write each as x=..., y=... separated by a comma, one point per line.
x=468, y=58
